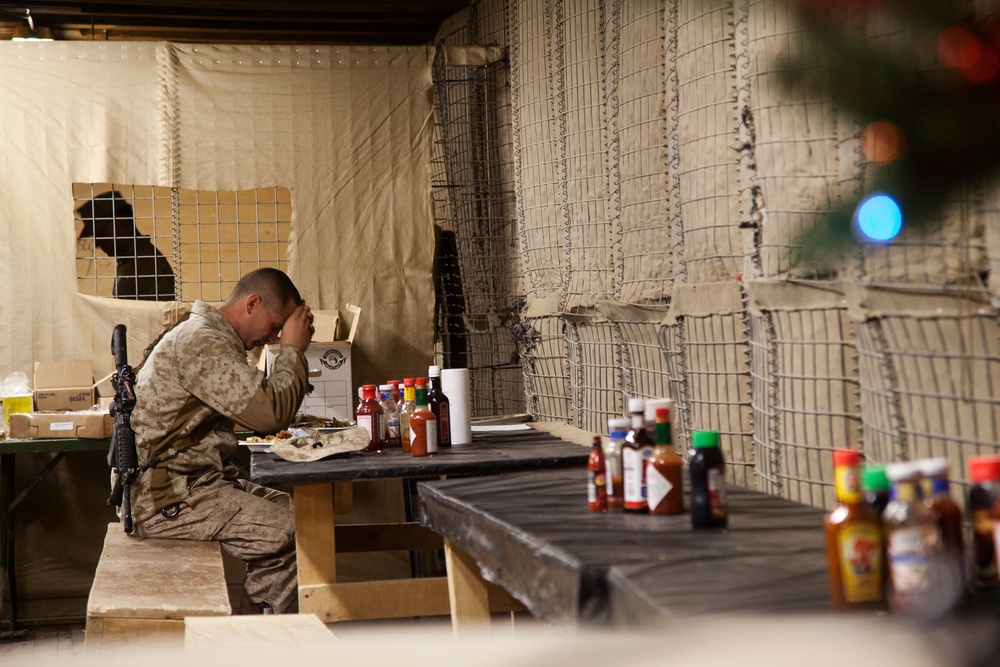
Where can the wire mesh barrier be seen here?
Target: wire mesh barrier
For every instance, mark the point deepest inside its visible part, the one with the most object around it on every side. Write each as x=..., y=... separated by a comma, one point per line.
x=806, y=399
x=595, y=384
x=708, y=196
x=641, y=156
x=638, y=116
x=939, y=389
x=543, y=347
x=707, y=359
x=165, y=244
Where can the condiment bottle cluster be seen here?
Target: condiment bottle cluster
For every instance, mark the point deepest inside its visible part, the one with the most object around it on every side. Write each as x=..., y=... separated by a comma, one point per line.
x=638, y=471
x=418, y=421
x=895, y=539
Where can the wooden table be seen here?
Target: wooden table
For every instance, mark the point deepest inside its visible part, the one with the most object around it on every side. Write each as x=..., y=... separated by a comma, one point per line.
x=321, y=489
x=9, y=449
x=532, y=535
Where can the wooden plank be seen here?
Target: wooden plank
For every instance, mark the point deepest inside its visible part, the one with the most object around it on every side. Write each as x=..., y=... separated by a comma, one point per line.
x=365, y=600
x=283, y=630
x=343, y=497
x=315, y=538
x=386, y=537
x=128, y=632
x=139, y=578
x=467, y=591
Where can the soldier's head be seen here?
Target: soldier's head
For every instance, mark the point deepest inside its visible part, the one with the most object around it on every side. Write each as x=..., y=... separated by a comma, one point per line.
x=259, y=305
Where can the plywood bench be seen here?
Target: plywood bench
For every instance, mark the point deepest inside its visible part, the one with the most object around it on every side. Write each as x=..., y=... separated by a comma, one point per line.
x=145, y=588
x=218, y=632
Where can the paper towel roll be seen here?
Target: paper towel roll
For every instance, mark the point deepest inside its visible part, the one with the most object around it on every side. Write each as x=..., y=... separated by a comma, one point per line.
x=455, y=385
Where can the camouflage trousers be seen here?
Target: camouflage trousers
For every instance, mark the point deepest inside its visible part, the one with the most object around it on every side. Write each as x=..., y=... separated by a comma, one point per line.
x=253, y=523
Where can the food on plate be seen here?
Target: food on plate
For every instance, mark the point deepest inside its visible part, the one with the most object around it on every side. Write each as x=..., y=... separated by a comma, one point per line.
x=277, y=437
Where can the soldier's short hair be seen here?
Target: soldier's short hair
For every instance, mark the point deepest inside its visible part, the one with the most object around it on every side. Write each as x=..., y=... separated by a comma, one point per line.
x=274, y=286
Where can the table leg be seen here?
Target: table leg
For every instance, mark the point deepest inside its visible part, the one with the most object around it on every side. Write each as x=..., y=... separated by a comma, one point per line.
x=467, y=591
x=7, y=533
x=319, y=592
x=315, y=543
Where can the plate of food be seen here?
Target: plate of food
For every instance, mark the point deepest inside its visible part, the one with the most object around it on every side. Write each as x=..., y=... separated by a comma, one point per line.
x=261, y=443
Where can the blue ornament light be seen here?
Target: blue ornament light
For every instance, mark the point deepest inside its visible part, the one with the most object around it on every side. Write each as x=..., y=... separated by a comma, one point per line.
x=878, y=218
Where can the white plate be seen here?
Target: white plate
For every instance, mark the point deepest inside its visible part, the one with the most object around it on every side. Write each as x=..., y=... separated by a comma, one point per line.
x=256, y=446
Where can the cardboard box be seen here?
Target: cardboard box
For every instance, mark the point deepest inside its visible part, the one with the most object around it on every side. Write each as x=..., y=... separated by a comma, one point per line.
x=329, y=360
x=80, y=424
x=63, y=385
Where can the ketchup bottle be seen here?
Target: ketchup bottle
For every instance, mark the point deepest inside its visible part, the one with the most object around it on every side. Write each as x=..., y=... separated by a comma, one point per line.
x=369, y=417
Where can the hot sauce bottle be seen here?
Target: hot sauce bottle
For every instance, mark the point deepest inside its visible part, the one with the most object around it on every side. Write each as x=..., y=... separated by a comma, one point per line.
x=637, y=448
x=618, y=428
x=984, y=472
x=369, y=417
x=390, y=418
x=406, y=409
x=853, y=541
x=423, y=429
x=664, y=471
x=597, y=490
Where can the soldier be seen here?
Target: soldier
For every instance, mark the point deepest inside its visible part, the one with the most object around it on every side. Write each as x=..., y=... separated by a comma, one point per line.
x=193, y=385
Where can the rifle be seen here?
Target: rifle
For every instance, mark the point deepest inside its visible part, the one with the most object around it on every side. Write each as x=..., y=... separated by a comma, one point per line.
x=122, y=456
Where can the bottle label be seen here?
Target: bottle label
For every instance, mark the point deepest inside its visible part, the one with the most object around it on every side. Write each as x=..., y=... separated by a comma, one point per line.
x=848, y=484
x=432, y=436
x=860, y=548
x=657, y=486
x=984, y=561
x=392, y=425
x=367, y=422
x=634, y=473
x=596, y=489
x=609, y=476
x=717, y=492
x=909, y=559
x=444, y=425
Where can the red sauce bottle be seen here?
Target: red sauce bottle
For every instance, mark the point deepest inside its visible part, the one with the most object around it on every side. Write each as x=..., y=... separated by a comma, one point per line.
x=423, y=435
x=664, y=471
x=369, y=417
x=984, y=472
x=597, y=489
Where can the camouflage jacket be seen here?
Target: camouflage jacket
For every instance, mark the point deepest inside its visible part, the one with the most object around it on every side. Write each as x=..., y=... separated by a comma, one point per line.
x=190, y=390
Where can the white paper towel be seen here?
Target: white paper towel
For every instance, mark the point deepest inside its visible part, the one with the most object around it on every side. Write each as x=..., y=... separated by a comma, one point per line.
x=455, y=385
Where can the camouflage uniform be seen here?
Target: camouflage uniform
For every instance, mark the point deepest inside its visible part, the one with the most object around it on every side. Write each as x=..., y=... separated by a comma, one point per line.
x=189, y=391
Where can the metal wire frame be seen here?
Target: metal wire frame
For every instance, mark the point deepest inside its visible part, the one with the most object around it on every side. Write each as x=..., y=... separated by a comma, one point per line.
x=210, y=238
x=797, y=147
x=644, y=366
x=543, y=348
x=816, y=403
x=708, y=366
x=639, y=167
x=709, y=197
x=764, y=399
x=472, y=180
x=595, y=367
x=535, y=151
x=939, y=382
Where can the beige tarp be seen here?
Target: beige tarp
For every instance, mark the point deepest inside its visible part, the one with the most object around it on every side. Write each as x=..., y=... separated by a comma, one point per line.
x=346, y=129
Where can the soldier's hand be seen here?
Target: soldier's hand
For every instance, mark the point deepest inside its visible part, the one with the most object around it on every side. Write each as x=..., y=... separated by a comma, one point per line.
x=298, y=328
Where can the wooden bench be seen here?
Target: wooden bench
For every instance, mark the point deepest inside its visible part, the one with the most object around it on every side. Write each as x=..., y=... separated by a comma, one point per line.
x=145, y=588
x=243, y=632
